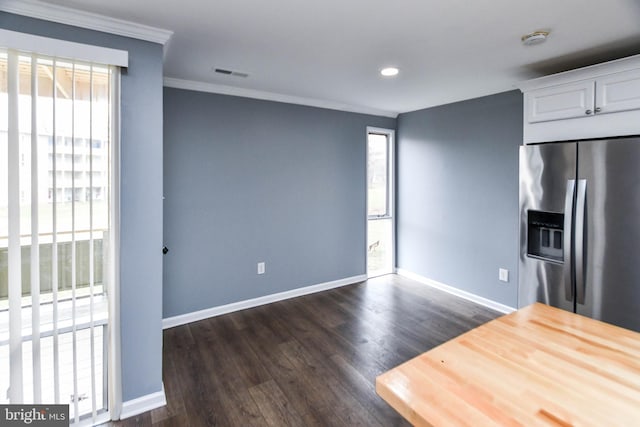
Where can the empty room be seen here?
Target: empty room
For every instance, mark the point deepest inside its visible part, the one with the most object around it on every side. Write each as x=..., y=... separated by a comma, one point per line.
x=245, y=213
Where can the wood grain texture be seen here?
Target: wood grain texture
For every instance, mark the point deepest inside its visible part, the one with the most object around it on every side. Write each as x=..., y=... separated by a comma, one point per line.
x=308, y=361
x=539, y=366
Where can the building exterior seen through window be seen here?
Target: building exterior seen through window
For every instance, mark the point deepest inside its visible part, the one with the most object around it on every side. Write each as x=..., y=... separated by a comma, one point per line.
x=63, y=181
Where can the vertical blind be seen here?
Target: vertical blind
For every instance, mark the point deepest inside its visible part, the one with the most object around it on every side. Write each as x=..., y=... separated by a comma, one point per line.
x=55, y=231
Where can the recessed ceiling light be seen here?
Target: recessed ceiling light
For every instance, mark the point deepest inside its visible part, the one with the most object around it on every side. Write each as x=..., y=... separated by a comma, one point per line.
x=536, y=37
x=389, y=71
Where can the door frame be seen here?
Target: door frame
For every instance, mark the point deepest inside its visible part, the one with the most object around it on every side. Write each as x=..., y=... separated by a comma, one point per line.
x=391, y=138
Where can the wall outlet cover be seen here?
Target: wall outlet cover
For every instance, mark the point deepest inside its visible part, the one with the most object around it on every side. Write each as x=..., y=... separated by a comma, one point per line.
x=503, y=274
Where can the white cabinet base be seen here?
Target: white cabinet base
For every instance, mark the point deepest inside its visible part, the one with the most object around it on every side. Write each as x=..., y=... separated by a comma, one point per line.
x=599, y=126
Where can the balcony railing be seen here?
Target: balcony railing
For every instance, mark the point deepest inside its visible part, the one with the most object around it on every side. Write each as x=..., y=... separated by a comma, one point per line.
x=87, y=316
x=64, y=249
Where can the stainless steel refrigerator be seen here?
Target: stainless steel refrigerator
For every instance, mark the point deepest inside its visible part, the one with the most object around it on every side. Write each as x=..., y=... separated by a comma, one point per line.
x=580, y=228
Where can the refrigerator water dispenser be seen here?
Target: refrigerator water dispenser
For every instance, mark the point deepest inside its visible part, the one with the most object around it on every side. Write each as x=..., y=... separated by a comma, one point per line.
x=545, y=235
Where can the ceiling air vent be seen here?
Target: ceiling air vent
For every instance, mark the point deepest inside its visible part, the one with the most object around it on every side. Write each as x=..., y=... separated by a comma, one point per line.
x=230, y=72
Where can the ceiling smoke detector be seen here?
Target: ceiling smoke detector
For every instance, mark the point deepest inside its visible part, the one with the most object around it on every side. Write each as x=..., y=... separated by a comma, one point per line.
x=536, y=37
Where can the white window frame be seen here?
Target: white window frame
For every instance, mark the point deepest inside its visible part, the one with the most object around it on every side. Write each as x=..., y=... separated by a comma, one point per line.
x=391, y=198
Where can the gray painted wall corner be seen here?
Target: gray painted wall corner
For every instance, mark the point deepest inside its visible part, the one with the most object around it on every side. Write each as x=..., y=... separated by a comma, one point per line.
x=457, y=218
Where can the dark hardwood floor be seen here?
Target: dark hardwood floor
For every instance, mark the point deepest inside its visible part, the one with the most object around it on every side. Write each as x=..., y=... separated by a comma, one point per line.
x=308, y=361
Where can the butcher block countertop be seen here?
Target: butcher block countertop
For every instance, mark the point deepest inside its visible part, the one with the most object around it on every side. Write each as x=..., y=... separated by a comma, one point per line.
x=538, y=366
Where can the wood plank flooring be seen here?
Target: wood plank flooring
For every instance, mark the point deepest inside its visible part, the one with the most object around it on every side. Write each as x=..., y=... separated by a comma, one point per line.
x=308, y=361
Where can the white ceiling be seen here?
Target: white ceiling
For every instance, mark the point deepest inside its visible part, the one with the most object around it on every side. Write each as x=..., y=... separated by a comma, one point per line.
x=332, y=50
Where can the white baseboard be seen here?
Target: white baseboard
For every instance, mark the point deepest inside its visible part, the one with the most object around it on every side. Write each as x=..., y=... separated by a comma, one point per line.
x=142, y=404
x=457, y=292
x=182, y=319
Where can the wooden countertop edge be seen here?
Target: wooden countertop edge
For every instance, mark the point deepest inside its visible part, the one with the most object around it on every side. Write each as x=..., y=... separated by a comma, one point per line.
x=403, y=407
x=390, y=385
x=400, y=406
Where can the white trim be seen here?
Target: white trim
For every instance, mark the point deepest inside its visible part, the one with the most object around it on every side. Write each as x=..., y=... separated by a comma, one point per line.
x=92, y=21
x=183, y=319
x=457, y=292
x=273, y=96
x=142, y=404
x=63, y=49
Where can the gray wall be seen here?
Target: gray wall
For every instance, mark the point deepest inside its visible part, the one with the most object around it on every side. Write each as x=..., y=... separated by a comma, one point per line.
x=457, y=198
x=141, y=199
x=248, y=181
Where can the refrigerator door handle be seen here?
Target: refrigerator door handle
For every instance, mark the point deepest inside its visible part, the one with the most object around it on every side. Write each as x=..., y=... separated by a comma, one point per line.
x=580, y=242
x=568, y=236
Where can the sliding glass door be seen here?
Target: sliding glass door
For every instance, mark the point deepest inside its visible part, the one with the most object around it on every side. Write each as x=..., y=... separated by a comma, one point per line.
x=380, y=202
x=55, y=231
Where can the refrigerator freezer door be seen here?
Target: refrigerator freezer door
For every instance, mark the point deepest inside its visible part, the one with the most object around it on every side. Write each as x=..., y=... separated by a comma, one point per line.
x=611, y=288
x=547, y=184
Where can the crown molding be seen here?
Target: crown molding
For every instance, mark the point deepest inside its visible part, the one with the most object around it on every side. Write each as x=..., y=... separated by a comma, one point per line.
x=585, y=73
x=272, y=96
x=92, y=21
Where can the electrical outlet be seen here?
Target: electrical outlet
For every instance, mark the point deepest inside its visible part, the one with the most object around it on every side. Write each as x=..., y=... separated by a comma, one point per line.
x=261, y=268
x=503, y=274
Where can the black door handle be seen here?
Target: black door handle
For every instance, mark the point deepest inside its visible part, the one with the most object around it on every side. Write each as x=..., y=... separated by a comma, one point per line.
x=165, y=250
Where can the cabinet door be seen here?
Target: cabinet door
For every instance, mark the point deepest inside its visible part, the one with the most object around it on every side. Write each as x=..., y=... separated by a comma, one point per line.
x=618, y=92
x=560, y=102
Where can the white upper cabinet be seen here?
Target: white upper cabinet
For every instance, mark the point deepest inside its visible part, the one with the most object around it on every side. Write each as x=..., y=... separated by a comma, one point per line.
x=560, y=102
x=593, y=102
x=618, y=92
